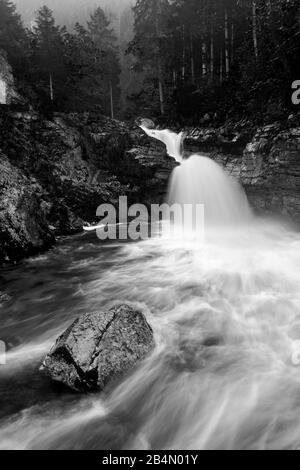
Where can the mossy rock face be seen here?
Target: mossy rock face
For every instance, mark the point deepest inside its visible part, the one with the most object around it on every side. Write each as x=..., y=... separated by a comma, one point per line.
x=98, y=348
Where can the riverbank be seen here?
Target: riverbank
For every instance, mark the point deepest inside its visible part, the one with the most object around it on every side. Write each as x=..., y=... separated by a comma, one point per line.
x=55, y=173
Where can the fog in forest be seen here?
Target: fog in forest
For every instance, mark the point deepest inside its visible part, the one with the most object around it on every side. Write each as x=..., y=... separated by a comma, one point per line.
x=69, y=12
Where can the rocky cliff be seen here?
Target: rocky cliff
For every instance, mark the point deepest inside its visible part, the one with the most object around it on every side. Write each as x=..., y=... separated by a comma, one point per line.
x=8, y=92
x=54, y=174
x=265, y=160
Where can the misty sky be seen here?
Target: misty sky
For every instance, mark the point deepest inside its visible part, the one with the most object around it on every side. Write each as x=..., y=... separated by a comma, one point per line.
x=69, y=11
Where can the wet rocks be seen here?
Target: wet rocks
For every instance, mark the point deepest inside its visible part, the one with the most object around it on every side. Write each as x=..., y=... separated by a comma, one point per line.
x=8, y=93
x=23, y=216
x=98, y=348
x=153, y=166
x=145, y=122
x=225, y=140
x=55, y=173
x=270, y=171
x=265, y=160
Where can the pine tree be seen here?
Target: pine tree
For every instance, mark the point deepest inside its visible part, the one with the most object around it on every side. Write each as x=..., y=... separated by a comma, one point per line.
x=13, y=39
x=150, y=45
x=85, y=71
x=105, y=41
x=48, y=57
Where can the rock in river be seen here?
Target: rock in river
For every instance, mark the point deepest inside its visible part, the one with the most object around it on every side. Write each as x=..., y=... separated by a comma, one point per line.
x=99, y=347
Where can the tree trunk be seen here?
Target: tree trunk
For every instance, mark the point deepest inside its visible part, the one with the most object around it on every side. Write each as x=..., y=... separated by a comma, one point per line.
x=204, y=66
x=159, y=62
x=221, y=66
x=174, y=79
x=183, y=53
x=192, y=61
x=112, y=114
x=51, y=87
x=254, y=28
x=212, y=52
x=232, y=43
x=161, y=89
x=227, y=63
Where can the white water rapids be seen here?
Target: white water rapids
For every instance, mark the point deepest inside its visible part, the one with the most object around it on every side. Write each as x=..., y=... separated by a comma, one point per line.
x=226, y=316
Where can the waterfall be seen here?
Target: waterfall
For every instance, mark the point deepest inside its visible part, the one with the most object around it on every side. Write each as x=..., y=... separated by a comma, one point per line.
x=226, y=320
x=201, y=181
x=172, y=141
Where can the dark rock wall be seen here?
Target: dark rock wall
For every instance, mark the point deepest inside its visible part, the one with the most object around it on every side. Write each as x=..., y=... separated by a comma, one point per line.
x=23, y=214
x=266, y=161
x=270, y=171
x=54, y=175
x=8, y=92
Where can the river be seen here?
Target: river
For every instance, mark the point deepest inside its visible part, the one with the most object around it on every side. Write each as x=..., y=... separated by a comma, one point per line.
x=226, y=317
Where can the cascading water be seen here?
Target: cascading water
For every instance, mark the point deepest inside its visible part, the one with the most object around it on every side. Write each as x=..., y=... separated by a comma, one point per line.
x=171, y=140
x=200, y=180
x=226, y=317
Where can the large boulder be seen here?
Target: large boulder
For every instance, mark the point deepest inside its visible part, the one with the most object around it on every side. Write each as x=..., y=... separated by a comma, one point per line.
x=99, y=347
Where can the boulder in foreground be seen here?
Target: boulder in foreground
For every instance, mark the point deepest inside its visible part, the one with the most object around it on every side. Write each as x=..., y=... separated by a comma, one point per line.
x=99, y=347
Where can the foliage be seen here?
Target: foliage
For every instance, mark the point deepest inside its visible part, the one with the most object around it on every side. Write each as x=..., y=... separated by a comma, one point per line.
x=13, y=39
x=63, y=70
x=187, y=59
x=222, y=57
